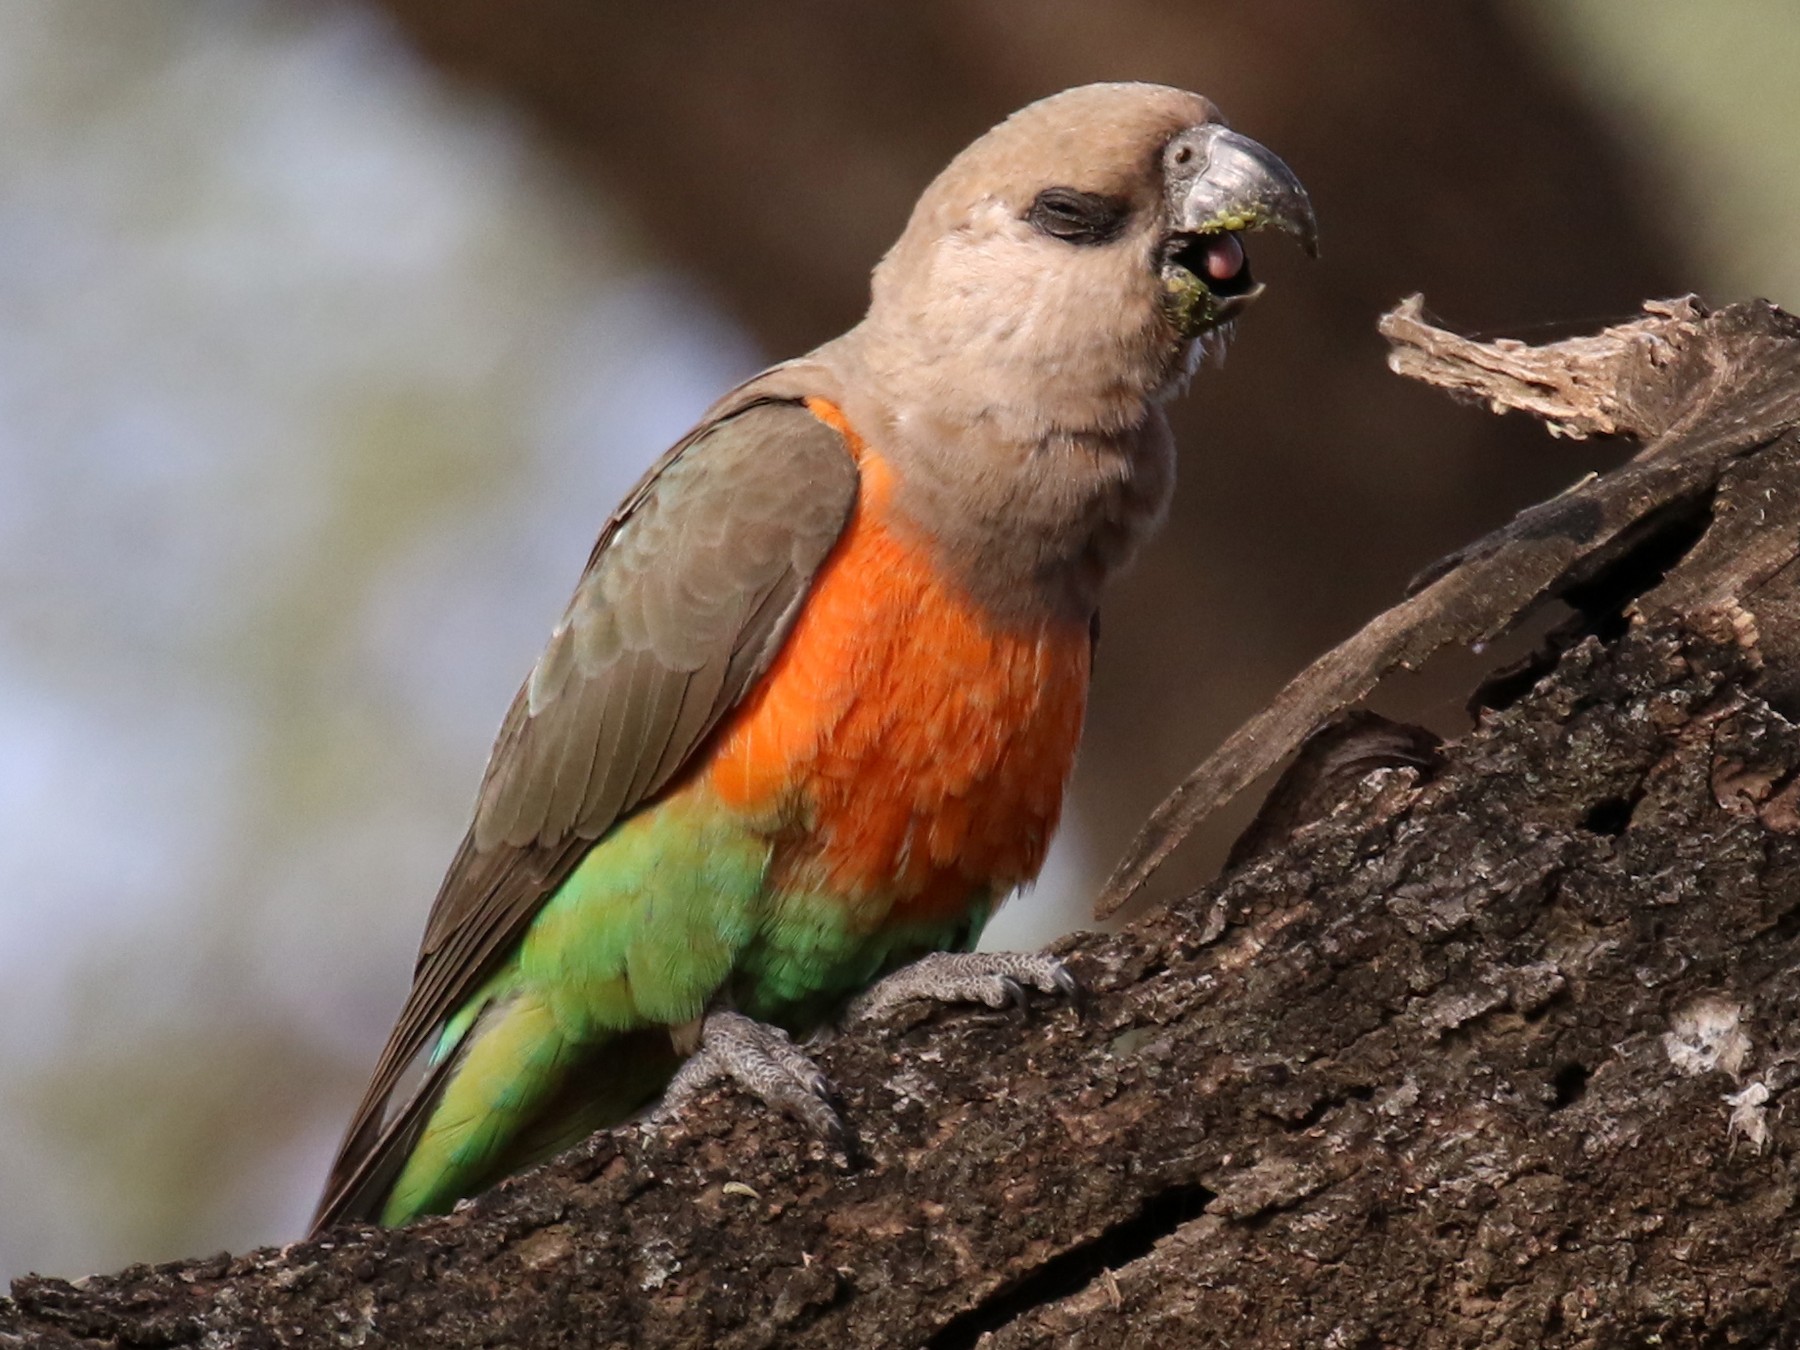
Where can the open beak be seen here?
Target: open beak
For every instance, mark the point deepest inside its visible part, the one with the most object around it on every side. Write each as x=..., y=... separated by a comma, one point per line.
x=1219, y=185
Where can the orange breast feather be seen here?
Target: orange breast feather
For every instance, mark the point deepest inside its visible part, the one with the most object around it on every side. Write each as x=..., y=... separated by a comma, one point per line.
x=914, y=751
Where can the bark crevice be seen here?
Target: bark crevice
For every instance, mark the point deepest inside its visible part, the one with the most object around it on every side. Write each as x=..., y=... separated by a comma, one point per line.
x=1070, y=1274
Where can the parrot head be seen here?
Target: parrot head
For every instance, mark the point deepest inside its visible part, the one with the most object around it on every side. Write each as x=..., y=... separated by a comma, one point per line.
x=1055, y=285
x=1097, y=230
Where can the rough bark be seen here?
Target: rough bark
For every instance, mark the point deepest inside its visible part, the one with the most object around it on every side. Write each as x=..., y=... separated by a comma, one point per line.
x=1703, y=394
x=1491, y=1051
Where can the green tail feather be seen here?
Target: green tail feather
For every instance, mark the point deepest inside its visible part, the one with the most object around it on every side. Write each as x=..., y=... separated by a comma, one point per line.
x=521, y=1093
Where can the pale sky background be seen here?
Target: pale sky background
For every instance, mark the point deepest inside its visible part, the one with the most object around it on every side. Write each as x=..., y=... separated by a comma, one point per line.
x=316, y=380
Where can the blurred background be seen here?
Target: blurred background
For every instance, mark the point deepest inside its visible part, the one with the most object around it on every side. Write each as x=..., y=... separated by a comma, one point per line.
x=330, y=333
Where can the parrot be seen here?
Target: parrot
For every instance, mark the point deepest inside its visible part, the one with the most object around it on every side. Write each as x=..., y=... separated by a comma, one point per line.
x=809, y=716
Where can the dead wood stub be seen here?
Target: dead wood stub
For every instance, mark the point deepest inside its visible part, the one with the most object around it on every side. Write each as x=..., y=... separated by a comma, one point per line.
x=1703, y=390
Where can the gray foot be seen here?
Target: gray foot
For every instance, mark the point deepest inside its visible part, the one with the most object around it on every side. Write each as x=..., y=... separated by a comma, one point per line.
x=993, y=978
x=760, y=1059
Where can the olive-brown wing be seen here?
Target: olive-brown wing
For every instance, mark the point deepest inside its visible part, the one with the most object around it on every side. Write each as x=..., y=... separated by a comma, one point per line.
x=690, y=591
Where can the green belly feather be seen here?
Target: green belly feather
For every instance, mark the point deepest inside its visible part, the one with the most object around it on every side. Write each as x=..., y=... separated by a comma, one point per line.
x=666, y=914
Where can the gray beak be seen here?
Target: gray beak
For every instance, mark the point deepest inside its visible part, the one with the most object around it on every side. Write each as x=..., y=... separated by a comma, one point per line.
x=1218, y=181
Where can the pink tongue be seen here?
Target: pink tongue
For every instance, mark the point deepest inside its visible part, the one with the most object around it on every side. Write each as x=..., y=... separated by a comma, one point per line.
x=1224, y=257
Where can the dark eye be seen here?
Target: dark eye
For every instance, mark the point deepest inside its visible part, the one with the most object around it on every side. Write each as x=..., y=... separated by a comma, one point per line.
x=1077, y=217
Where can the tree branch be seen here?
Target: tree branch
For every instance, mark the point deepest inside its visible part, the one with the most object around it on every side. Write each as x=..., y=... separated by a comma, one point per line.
x=1704, y=390
x=1491, y=1050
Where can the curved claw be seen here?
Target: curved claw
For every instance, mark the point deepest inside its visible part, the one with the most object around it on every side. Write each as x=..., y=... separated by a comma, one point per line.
x=1070, y=988
x=1016, y=995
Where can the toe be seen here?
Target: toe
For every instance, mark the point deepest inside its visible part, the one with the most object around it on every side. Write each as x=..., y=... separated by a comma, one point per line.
x=763, y=1061
x=991, y=978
